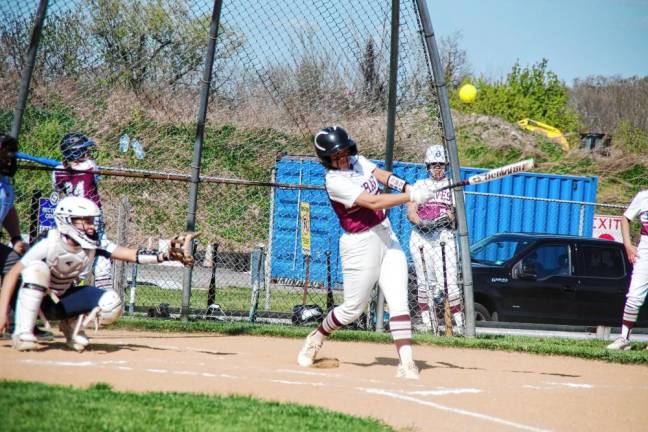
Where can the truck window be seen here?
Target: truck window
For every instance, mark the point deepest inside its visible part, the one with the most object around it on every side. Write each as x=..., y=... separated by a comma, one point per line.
x=496, y=250
x=550, y=260
x=601, y=261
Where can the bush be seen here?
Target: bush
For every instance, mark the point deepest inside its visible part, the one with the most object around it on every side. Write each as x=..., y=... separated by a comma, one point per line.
x=631, y=139
x=531, y=92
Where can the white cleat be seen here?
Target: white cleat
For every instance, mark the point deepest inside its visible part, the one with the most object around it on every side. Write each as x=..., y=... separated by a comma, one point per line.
x=78, y=340
x=407, y=370
x=620, y=343
x=24, y=342
x=307, y=354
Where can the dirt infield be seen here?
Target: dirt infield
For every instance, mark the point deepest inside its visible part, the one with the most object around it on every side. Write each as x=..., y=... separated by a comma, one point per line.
x=459, y=389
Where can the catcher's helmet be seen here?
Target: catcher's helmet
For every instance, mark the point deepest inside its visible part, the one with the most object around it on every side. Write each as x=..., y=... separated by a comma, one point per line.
x=74, y=146
x=331, y=140
x=73, y=207
x=8, y=149
x=435, y=154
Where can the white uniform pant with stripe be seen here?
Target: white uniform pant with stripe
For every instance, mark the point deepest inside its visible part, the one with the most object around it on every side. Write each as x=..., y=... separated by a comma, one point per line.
x=638, y=286
x=369, y=257
x=428, y=264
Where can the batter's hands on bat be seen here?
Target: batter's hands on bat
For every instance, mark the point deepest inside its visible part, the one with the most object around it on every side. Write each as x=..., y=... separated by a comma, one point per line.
x=420, y=194
x=181, y=248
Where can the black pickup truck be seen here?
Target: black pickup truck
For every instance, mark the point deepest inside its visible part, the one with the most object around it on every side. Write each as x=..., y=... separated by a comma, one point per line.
x=550, y=279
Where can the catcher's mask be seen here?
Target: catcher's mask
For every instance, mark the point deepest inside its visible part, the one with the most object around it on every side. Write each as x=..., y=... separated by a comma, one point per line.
x=331, y=140
x=435, y=161
x=71, y=208
x=303, y=314
x=8, y=149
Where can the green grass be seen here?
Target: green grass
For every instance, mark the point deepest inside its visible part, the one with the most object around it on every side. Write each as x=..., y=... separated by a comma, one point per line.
x=587, y=349
x=26, y=406
x=230, y=298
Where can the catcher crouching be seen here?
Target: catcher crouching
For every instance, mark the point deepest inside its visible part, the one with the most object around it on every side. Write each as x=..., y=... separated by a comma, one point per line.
x=53, y=268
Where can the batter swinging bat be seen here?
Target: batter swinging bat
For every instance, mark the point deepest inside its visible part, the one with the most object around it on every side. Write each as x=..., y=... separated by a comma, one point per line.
x=493, y=174
x=447, y=316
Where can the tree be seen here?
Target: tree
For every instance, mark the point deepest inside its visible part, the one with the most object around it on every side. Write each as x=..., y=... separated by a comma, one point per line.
x=155, y=42
x=132, y=43
x=454, y=60
x=604, y=102
x=373, y=85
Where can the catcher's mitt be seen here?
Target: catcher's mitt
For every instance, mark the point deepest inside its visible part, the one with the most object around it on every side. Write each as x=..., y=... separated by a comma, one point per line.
x=442, y=221
x=181, y=248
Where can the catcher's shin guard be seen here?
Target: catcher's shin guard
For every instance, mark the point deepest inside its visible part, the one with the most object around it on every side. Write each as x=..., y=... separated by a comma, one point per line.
x=35, y=281
x=110, y=308
x=27, y=307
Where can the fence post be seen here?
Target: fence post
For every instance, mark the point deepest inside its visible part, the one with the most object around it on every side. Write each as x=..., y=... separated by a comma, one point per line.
x=268, y=260
x=133, y=288
x=33, y=214
x=211, y=294
x=122, y=239
x=391, y=122
x=197, y=151
x=436, y=70
x=28, y=69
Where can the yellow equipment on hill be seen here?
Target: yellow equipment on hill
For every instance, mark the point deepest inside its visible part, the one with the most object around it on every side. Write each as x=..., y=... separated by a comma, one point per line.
x=549, y=131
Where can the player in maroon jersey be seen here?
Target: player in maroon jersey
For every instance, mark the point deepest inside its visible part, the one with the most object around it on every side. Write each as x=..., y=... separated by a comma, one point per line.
x=369, y=249
x=76, y=149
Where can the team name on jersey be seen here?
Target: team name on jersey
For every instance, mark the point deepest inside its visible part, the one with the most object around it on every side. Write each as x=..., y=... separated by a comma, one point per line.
x=371, y=185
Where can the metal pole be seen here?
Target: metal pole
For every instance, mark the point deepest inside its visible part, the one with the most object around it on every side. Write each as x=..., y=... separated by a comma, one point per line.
x=451, y=143
x=197, y=153
x=268, y=260
x=33, y=215
x=391, y=125
x=28, y=68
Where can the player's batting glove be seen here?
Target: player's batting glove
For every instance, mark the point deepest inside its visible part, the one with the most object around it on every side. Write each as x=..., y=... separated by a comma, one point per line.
x=181, y=248
x=420, y=195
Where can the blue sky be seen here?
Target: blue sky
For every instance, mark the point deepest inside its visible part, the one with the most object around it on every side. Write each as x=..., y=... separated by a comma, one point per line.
x=578, y=37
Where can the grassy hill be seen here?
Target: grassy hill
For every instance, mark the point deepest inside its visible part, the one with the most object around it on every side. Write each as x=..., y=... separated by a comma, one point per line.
x=248, y=149
x=250, y=153
x=487, y=141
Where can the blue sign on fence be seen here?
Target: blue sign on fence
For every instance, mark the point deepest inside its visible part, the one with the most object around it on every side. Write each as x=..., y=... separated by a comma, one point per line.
x=46, y=208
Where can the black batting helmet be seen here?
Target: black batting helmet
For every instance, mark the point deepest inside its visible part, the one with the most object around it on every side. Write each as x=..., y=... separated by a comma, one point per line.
x=75, y=145
x=8, y=149
x=331, y=140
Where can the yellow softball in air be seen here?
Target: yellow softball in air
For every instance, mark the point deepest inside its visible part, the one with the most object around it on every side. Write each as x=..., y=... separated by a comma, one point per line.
x=467, y=93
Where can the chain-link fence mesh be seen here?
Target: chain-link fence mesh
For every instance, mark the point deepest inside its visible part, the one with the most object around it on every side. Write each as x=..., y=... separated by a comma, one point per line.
x=128, y=74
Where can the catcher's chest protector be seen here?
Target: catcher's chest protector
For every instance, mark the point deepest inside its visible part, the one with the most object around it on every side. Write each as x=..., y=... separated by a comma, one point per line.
x=66, y=265
x=440, y=203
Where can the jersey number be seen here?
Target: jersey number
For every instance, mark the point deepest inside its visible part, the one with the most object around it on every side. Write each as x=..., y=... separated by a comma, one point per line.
x=71, y=189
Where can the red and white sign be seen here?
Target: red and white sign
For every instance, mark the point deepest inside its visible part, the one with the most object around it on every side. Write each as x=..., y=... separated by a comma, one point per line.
x=608, y=227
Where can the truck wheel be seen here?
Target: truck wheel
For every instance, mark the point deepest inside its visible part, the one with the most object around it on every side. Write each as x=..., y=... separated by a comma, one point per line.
x=481, y=313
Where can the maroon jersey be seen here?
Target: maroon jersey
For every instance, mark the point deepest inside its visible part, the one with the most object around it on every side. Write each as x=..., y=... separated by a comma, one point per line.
x=83, y=185
x=344, y=187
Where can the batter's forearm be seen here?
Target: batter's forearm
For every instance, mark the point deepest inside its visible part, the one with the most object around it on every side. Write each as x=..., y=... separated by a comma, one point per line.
x=382, y=201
